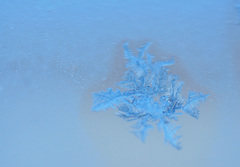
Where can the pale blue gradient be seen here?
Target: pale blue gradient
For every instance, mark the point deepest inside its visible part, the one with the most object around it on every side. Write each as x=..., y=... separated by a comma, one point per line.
x=55, y=54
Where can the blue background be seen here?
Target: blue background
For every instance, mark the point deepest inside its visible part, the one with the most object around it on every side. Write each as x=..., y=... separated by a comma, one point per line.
x=55, y=53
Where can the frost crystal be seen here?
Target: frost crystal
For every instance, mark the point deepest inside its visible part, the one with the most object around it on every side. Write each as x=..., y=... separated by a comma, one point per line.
x=151, y=96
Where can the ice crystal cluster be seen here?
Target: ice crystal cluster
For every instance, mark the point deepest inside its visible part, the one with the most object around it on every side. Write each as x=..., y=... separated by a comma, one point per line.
x=149, y=96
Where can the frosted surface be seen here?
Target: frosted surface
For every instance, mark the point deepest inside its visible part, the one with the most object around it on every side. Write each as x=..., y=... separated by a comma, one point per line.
x=54, y=54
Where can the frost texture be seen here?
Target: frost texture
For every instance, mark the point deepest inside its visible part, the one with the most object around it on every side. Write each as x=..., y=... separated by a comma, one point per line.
x=151, y=96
